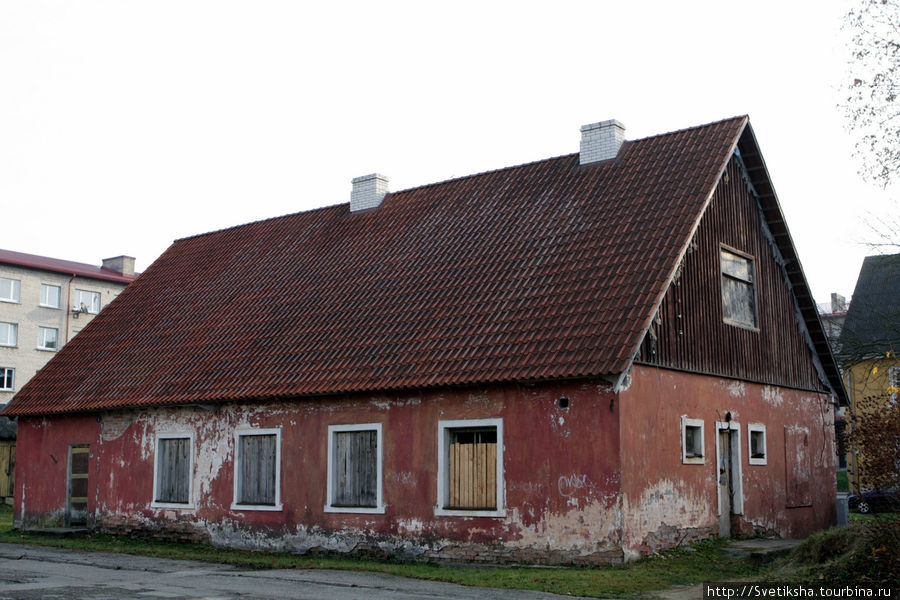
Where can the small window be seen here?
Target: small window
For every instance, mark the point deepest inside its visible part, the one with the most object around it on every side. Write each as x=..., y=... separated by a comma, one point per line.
x=47, y=338
x=9, y=290
x=49, y=296
x=87, y=301
x=756, y=435
x=692, y=441
x=9, y=334
x=7, y=379
x=470, y=468
x=738, y=295
x=354, y=468
x=257, y=470
x=172, y=471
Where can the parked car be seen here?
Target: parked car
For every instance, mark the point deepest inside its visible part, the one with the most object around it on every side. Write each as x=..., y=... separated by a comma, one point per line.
x=878, y=500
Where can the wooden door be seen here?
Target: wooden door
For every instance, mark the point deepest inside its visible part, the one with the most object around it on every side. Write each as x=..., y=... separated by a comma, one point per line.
x=76, y=508
x=725, y=484
x=7, y=468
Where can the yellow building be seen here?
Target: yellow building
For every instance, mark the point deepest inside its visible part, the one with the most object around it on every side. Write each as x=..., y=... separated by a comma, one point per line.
x=868, y=352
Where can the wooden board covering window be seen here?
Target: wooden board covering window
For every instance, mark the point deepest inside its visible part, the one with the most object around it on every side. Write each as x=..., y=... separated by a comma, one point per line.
x=173, y=470
x=473, y=469
x=356, y=468
x=798, y=473
x=257, y=470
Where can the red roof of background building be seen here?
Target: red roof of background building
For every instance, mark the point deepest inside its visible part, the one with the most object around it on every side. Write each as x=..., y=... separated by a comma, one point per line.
x=66, y=267
x=544, y=270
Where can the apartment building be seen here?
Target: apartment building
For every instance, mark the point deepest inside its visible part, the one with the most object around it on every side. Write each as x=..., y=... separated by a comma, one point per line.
x=44, y=303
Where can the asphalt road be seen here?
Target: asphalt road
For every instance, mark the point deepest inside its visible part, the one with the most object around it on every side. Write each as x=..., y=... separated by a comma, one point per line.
x=33, y=572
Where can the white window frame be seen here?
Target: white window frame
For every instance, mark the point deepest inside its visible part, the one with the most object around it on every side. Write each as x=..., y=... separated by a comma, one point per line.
x=12, y=378
x=176, y=435
x=443, y=488
x=238, y=434
x=379, y=500
x=692, y=460
x=757, y=428
x=14, y=328
x=42, y=341
x=43, y=303
x=90, y=308
x=15, y=290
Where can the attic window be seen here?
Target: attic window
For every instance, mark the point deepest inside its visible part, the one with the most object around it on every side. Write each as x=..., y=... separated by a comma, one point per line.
x=738, y=295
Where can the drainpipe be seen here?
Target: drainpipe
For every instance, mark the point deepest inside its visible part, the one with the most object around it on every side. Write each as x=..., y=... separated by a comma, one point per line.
x=68, y=305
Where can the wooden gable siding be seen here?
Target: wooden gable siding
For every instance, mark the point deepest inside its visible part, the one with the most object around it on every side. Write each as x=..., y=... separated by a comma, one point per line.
x=690, y=334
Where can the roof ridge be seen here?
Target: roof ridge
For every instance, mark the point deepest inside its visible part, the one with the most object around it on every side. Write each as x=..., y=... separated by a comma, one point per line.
x=258, y=221
x=454, y=179
x=691, y=128
x=487, y=172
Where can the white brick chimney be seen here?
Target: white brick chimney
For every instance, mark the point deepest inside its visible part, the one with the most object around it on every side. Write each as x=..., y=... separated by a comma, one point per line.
x=368, y=191
x=601, y=141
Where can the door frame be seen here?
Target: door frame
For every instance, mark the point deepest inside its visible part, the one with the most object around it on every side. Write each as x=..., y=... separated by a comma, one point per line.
x=72, y=448
x=733, y=430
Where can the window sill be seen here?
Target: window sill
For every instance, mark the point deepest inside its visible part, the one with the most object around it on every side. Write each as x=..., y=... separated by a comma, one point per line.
x=758, y=461
x=8, y=346
x=171, y=505
x=48, y=306
x=8, y=301
x=368, y=510
x=693, y=460
x=457, y=512
x=39, y=349
x=753, y=328
x=265, y=507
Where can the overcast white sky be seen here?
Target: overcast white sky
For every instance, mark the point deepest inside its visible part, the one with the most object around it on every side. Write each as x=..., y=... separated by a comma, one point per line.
x=125, y=125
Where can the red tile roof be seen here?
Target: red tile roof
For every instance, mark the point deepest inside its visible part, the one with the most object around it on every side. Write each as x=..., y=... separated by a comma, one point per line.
x=544, y=270
x=66, y=267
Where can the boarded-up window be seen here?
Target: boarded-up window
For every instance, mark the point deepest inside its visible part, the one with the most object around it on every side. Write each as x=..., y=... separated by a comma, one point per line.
x=738, y=297
x=257, y=466
x=355, y=465
x=173, y=470
x=472, y=473
x=798, y=473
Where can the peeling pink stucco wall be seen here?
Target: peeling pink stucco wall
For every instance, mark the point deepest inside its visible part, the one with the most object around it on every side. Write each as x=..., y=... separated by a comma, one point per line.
x=660, y=494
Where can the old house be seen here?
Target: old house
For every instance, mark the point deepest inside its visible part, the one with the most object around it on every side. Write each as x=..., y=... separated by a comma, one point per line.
x=575, y=360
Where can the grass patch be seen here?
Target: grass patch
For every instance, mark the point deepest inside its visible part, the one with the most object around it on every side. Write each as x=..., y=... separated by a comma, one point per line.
x=701, y=562
x=865, y=552
x=6, y=517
